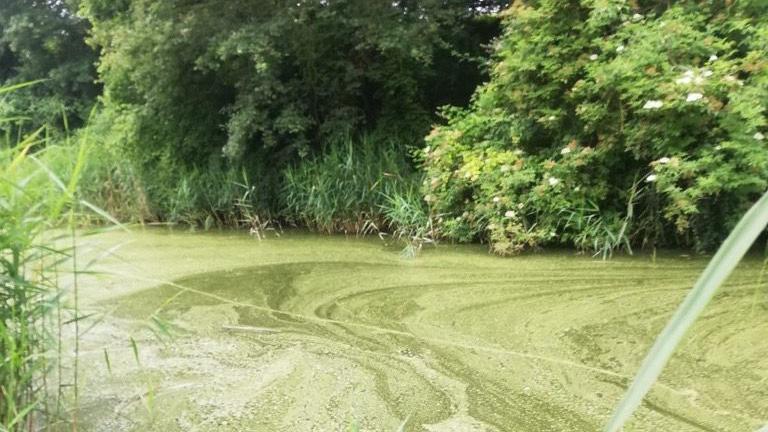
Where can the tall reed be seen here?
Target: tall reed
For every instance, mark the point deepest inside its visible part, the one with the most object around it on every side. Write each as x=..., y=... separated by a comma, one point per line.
x=35, y=204
x=409, y=220
x=345, y=188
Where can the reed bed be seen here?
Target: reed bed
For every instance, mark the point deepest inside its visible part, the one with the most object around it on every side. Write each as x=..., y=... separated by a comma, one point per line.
x=345, y=189
x=38, y=212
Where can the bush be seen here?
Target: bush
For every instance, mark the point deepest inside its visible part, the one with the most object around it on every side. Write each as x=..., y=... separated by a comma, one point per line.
x=605, y=125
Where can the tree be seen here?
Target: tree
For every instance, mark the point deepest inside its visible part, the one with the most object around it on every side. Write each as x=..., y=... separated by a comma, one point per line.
x=264, y=82
x=45, y=40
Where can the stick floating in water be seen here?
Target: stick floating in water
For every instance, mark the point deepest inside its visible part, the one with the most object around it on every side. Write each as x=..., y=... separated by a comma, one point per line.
x=249, y=329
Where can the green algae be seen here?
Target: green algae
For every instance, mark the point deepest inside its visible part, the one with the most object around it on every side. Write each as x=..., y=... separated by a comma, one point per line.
x=305, y=333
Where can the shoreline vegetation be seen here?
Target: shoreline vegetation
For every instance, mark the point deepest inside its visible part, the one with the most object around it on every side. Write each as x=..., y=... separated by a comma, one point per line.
x=472, y=130
x=38, y=216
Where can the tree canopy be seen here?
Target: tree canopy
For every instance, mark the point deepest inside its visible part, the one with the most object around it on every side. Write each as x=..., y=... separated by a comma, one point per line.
x=284, y=75
x=46, y=40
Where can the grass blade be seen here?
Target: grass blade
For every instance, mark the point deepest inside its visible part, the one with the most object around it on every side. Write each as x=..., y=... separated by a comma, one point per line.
x=11, y=88
x=106, y=360
x=24, y=147
x=719, y=268
x=402, y=425
x=135, y=349
x=22, y=414
x=105, y=215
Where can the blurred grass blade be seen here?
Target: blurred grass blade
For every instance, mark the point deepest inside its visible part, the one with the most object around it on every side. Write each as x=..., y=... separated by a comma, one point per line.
x=10, y=88
x=51, y=175
x=105, y=215
x=135, y=349
x=719, y=268
x=106, y=360
x=24, y=147
x=21, y=416
x=402, y=425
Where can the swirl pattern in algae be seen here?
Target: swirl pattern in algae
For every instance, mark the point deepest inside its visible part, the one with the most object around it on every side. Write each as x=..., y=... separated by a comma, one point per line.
x=306, y=333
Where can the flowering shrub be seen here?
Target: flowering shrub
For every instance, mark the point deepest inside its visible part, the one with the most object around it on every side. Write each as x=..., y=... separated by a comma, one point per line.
x=609, y=123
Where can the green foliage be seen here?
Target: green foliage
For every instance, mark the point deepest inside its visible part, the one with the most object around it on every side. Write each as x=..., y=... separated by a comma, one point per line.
x=408, y=219
x=345, y=188
x=112, y=180
x=214, y=197
x=108, y=180
x=40, y=206
x=254, y=84
x=33, y=201
x=22, y=301
x=607, y=124
x=45, y=40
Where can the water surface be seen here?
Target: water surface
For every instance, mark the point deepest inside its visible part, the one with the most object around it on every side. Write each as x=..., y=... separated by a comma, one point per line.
x=312, y=333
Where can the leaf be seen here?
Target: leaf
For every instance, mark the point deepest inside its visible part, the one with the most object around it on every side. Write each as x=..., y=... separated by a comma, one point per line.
x=401, y=428
x=105, y=215
x=106, y=360
x=135, y=349
x=160, y=328
x=24, y=145
x=21, y=415
x=8, y=89
x=51, y=175
x=78, y=318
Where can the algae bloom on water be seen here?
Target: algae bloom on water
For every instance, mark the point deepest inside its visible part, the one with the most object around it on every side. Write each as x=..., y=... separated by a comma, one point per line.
x=310, y=333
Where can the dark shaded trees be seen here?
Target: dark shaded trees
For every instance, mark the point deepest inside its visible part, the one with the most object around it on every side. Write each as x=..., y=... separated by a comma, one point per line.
x=45, y=40
x=284, y=74
x=262, y=83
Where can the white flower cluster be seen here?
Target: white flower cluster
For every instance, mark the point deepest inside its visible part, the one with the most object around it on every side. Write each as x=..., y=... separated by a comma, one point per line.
x=733, y=79
x=653, y=104
x=694, y=77
x=687, y=78
x=661, y=161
